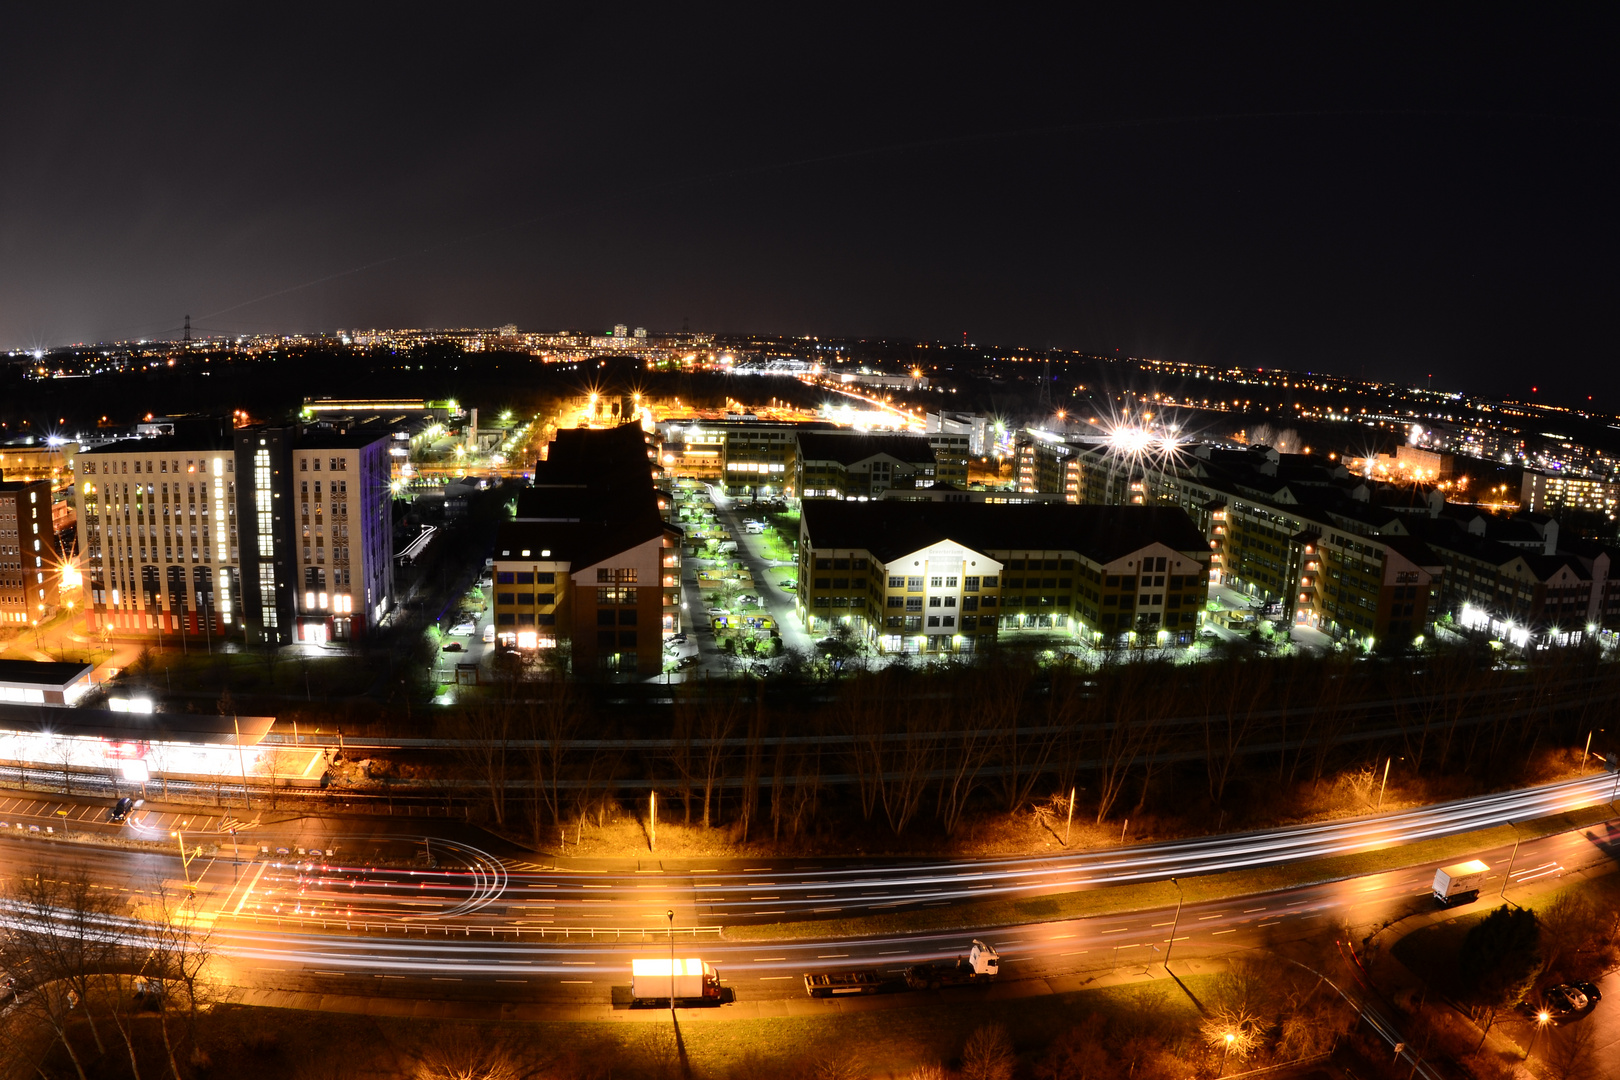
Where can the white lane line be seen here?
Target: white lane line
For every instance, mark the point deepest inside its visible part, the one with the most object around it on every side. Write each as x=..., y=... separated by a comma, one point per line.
x=767, y=959
x=1121, y=930
x=1231, y=931
x=832, y=955
x=773, y=978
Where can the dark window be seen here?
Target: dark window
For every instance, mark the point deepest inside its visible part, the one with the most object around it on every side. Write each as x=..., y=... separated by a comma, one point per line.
x=970, y=622
x=933, y=601
x=604, y=639
x=1016, y=564
x=525, y=578
x=604, y=617
x=627, y=639
x=546, y=577
x=604, y=575
x=525, y=619
x=506, y=618
x=823, y=564
x=627, y=616
x=823, y=583
x=840, y=582
x=913, y=603
x=504, y=577
x=950, y=620
x=547, y=618
x=1051, y=564
x=914, y=584
x=1015, y=583
x=971, y=584
x=545, y=598
x=897, y=582
x=525, y=597
x=992, y=581
x=504, y=598
x=895, y=622
x=821, y=601
x=858, y=564
x=970, y=603
x=989, y=601
x=897, y=601
x=1111, y=581
x=933, y=620
x=1050, y=583
x=840, y=564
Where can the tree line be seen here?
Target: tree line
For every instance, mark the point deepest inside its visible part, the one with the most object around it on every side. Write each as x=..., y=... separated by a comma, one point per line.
x=902, y=746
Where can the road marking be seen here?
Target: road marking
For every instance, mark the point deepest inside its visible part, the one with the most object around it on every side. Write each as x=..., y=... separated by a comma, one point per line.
x=247, y=891
x=832, y=956
x=773, y=978
x=1082, y=952
x=575, y=982
x=767, y=959
x=1231, y=931
x=1159, y=924
x=893, y=952
x=523, y=982
x=1252, y=910
x=1121, y=930
x=1263, y=925
x=1201, y=918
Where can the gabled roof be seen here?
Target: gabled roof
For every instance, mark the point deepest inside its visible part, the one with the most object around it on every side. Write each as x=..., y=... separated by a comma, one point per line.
x=849, y=449
x=1103, y=533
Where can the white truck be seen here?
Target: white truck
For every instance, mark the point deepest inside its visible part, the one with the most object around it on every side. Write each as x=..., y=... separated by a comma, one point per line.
x=981, y=964
x=1459, y=883
x=651, y=979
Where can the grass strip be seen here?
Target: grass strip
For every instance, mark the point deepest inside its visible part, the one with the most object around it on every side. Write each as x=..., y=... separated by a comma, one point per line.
x=1148, y=895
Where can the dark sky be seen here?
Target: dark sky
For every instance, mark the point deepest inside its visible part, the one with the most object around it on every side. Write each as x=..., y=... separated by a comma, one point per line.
x=1355, y=194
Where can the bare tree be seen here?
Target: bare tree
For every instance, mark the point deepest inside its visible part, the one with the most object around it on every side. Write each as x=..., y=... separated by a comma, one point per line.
x=551, y=726
x=59, y=940
x=483, y=734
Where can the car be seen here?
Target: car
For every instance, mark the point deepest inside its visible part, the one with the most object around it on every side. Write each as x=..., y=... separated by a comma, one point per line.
x=1593, y=994
x=678, y=639
x=1563, y=1000
x=120, y=810
x=718, y=613
x=747, y=598
x=688, y=661
x=489, y=633
x=454, y=646
x=465, y=629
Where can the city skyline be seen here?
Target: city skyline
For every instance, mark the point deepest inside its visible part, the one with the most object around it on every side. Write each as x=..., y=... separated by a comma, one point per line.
x=1311, y=194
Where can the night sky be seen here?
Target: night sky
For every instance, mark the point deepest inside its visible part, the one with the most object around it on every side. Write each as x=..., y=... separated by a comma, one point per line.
x=1375, y=196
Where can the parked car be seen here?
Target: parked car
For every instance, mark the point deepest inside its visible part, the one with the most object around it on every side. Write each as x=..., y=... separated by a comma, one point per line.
x=688, y=661
x=465, y=629
x=120, y=810
x=489, y=634
x=454, y=646
x=678, y=639
x=1593, y=994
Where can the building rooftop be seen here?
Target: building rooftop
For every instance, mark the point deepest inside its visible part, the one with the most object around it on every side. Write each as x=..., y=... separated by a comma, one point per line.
x=1104, y=533
x=41, y=673
x=849, y=449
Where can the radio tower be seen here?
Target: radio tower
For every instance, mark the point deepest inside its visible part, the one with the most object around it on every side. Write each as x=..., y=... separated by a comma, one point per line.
x=1044, y=402
x=185, y=340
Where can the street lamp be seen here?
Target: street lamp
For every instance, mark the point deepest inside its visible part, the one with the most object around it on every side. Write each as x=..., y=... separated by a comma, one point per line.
x=1227, y=1049
x=1511, y=859
x=1176, y=922
x=1542, y=1019
x=670, y=914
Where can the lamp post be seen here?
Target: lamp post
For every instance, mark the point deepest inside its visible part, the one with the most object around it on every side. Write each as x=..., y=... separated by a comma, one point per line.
x=1176, y=922
x=1542, y=1019
x=1511, y=860
x=1227, y=1049
x=671, y=916
x=1385, y=784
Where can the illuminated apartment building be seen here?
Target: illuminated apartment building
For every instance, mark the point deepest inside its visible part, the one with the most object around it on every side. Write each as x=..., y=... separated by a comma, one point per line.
x=29, y=561
x=206, y=534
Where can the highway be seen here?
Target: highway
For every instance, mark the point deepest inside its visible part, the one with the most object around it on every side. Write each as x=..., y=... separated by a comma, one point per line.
x=461, y=878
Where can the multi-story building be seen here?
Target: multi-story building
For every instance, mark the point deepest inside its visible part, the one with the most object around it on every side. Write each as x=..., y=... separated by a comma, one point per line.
x=202, y=533
x=30, y=564
x=588, y=566
x=1541, y=492
x=975, y=426
x=950, y=577
x=852, y=465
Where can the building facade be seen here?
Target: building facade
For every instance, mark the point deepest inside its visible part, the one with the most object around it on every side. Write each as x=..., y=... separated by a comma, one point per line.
x=952, y=577
x=206, y=535
x=588, y=571
x=30, y=563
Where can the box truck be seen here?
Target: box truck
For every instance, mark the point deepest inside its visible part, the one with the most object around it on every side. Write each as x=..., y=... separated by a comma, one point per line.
x=1459, y=884
x=692, y=980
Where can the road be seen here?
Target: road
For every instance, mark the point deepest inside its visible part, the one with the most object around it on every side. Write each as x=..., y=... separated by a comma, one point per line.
x=390, y=903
